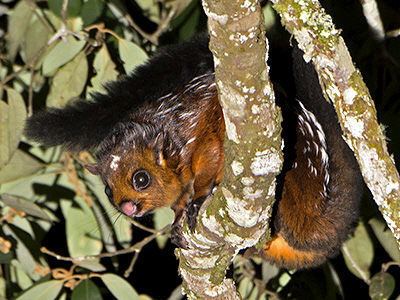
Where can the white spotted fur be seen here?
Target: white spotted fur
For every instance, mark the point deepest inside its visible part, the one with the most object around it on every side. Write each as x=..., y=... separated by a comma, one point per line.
x=309, y=125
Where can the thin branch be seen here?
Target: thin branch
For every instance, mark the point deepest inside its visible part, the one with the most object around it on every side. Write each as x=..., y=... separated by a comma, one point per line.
x=163, y=25
x=30, y=93
x=101, y=28
x=344, y=87
x=134, y=248
x=386, y=266
x=371, y=13
x=40, y=17
x=132, y=264
x=64, y=10
x=145, y=228
x=393, y=33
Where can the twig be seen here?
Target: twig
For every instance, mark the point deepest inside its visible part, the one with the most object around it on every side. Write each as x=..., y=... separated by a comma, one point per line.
x=29, y=65
x=14, y=74
x=134, y=248
x=42, y=19
x=371, y=13
x=387, y=265
x=393, y=33
x=70, y=279
x=139, y=30
x=72, y=175
x=30, y=94
x=131, y=265
x=164, y=23
x=64, y=8
x=145, y=228
x=100, y=27
x=162, y=26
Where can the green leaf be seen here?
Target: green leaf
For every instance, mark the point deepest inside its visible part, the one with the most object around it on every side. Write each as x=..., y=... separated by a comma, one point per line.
x=119, y=287
x=269, y=16
x=386, y=238
x=176, y=293
x=47, y=290
x=184, y=13
x=245, y=287
x=382, y=286
x=21, y=165
x=83, y=235
x=333, y=284
x=131, y=54
x=25, y=187
x=189, y=27
x=151, y=9
x=91, y=10
x=122, y=227
x=358, y=253
x=105, y=71
x=86, y=290
x=162, y=217
x=20, y=277
x=25, y=205
x=284, y=279
x=23, y=224
x=73, y=10
x=92, y=265
x=36, y=39
x=62, y=53
x=269, y=271
x=19, y=22
x=3, y=291
x=12, y=120
x=68, y=82
x=23, y=255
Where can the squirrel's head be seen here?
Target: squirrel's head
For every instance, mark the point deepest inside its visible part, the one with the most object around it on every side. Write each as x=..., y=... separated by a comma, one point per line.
x=137, y=175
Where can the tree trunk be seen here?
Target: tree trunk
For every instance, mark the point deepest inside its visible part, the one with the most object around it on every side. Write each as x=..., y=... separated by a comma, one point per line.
x=238, y=214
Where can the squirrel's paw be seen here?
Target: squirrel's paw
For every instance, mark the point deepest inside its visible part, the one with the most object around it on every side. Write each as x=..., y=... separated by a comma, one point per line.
x=193, y=210
x=177, y=237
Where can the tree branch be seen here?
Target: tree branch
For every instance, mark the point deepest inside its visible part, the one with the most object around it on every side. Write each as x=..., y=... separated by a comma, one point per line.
x=238, y=214
x=343, y=85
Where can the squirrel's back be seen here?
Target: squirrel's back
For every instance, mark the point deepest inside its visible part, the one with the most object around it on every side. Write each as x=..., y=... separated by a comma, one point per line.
x=84, y=124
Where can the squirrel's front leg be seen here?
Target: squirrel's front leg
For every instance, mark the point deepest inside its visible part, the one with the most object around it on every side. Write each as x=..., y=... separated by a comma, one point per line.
x=180, y=207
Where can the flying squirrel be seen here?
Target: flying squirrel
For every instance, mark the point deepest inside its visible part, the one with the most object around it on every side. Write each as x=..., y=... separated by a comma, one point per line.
x=158, y=136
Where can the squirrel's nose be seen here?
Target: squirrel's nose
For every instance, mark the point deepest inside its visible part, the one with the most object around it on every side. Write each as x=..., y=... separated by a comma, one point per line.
x=129, y=208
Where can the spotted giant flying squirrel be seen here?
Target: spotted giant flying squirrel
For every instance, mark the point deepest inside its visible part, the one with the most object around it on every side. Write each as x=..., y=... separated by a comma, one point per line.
x=158, y=137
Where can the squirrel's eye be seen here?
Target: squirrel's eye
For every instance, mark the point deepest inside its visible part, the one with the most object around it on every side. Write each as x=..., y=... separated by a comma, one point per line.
x=108, y=192
x=141, y=180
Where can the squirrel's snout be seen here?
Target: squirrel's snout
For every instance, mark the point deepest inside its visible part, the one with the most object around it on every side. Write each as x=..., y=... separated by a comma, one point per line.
x=129, y=208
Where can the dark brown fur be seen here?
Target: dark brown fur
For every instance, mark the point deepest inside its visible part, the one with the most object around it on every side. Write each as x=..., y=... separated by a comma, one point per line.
x=175, y=132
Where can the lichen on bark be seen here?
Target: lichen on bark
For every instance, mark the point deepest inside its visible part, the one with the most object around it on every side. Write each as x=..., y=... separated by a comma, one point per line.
x=344, y=87
x=238, y=214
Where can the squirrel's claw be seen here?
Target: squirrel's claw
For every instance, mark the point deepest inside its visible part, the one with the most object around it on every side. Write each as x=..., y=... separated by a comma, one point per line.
x=177, y=237
x=192, y=212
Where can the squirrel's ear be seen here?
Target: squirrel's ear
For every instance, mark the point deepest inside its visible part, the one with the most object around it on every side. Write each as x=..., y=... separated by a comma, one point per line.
x=92, y=168
x=159, y=149
x=161, y=160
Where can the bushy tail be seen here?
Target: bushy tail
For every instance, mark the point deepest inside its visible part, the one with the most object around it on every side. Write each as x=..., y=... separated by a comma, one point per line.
x=80, y=125
x=321, y=192
x=84, y=124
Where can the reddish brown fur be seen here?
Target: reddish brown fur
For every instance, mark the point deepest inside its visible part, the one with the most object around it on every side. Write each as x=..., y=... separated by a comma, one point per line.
x=184, y=177
x=280, y=252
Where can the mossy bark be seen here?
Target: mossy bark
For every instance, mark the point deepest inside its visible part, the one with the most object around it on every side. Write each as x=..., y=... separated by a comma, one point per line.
x=344, y=87
x=238, y=214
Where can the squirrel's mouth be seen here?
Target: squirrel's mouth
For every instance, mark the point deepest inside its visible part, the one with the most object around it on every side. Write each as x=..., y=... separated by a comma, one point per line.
x=131, y=209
